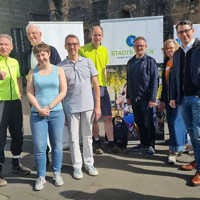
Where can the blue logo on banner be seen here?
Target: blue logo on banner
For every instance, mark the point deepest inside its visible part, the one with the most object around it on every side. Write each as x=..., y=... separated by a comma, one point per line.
x=130, y=40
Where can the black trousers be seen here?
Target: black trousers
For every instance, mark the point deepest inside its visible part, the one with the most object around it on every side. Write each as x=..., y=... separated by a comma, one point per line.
x=144, y=119
x=11, y=117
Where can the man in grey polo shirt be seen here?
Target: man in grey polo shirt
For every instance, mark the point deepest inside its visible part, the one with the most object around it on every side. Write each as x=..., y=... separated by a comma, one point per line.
x=79, y=105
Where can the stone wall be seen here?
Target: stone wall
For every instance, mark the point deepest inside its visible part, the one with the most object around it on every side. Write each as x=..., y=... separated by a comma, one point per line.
x=91, y=11
x=17, y=13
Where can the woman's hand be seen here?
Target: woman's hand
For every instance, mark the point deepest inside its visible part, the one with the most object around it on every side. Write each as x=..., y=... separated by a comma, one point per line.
x=44, y=112
x=66, y=122
x=152, y=104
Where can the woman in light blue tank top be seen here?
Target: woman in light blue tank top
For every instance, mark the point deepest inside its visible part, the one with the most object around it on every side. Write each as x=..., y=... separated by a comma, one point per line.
x=46, y=89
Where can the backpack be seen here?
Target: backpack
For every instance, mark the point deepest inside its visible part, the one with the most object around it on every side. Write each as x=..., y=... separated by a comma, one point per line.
x=120, y=132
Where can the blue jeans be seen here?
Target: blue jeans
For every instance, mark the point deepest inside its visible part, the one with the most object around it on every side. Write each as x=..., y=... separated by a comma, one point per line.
x=191, y=116
x=41, y=127
x=177, y=130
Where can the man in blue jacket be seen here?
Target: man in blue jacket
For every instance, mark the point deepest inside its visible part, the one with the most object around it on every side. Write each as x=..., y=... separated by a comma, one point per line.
x=185, y=89
x=142, y=85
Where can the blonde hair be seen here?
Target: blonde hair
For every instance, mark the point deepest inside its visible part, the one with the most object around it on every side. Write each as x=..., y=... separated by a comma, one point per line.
x=166, y=43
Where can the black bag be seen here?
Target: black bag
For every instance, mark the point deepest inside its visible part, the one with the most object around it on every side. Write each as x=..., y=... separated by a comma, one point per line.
x=120, y=132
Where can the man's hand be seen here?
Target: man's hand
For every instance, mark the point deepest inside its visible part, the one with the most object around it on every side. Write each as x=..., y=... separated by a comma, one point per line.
x=44, y=112
x=20, y=96
x=152, y=104
x=2, y=75
x=172, y=103
x=66, y=122
x=97, y=114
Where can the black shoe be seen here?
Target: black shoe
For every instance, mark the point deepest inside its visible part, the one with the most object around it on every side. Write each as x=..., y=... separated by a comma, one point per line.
x=97, y=147
x=21, y=170
x=138, y=148
x=113, y=148
x=150, y=151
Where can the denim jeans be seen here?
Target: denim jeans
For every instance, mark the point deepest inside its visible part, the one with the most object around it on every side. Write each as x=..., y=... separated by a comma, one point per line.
x=191, y=116
x=177, y=129
x=41, y=127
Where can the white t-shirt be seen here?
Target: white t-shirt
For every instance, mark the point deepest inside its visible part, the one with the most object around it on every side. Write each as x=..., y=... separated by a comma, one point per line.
x=33, y=61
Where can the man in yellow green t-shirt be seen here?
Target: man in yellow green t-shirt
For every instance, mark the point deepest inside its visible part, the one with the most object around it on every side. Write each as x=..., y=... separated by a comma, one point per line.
x=10, y=107
x=99, y=56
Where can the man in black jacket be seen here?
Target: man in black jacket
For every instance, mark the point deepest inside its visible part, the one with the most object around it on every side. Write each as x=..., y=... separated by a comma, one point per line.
x=142, y=85
x=185, y=88
x=35, y=37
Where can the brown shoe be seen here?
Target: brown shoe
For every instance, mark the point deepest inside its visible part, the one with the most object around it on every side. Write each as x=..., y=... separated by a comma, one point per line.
x=196, y=179
x=20, y=169
x=189, y=167
x=3, y=182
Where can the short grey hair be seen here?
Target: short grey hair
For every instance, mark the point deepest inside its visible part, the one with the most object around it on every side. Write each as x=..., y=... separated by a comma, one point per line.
x=32, y=25
x=140, y=38
x=96, y=26
x=71, y=36
x=6, y=36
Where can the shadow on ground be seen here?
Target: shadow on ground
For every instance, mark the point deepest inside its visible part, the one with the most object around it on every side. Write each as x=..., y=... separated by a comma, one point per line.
x=123, y=161
x=114, y=194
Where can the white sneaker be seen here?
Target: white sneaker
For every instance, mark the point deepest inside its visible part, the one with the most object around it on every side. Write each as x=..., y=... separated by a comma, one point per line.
x=92, y=171
x=58, y=179
x=172, y=159
x=78, y=174
x=39, y=184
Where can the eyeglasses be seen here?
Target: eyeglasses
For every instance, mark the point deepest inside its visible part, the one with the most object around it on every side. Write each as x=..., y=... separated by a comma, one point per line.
x=72, y=44
x=141, y=46
x=184, y=31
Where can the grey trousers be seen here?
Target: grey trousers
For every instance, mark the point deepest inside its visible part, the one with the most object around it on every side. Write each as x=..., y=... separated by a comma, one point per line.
x=81, y=124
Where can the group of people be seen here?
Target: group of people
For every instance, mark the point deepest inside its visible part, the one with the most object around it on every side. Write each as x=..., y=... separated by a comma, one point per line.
x=180, y=94
x=73, y=92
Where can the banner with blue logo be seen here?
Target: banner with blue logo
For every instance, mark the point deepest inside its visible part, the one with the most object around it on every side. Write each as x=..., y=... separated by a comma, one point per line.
x=120, y=34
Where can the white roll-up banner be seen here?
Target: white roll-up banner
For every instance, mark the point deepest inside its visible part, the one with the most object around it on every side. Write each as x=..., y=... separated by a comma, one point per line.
x=119, y=36
x=54, y=33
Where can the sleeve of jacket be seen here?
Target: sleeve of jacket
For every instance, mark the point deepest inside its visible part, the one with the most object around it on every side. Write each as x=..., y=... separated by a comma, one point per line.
x=153, y=80
x=54, y=57
x=172, y=84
